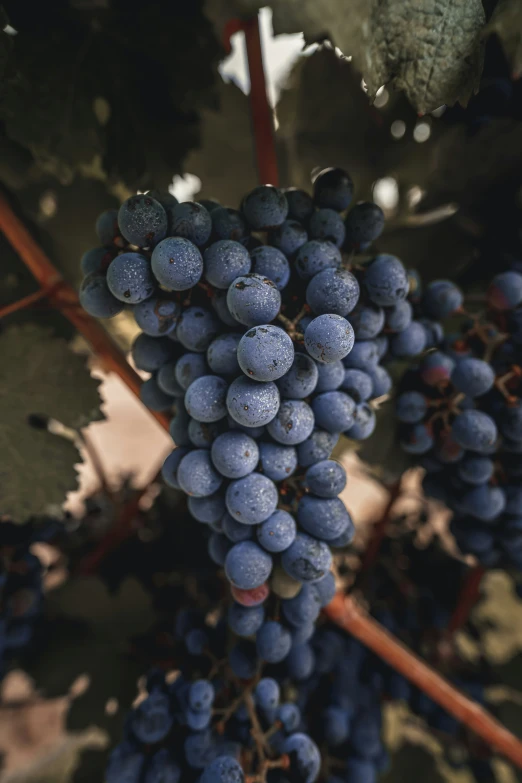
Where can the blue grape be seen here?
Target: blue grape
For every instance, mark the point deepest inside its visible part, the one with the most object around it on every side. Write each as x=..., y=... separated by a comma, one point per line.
x=333, y=411
x=288, y=237
x=201, y=695
x=325, y=589
x=441, y=299
x=253, y=300
x=222, y=354
x=196, y=329
x=277, y=532
x=304, y=608
x=326, y=479
x=247, y=565
x=385, y=280
x=329, y=338
x=220, y=307
x=142, y=221
x=130, y=279
x=475, y=431
x=357, y=384
x=167, y=382
x=399, y=316
x=363, y=224
x=505, y=291
x=265, y=207
x=245, y=620
x=484, y=502
x=510, y=421
x=475, y=469
x=151, y=721
x=107, y=227
x=225, y=260
x=367, y=321
x=189, y=367
x=156, y=316
x=383, y=343
x=330, y=376
x=171, y=464
x=267, y=693
x=363, y=356
x=151, y=353
x=207, y=510
x=323, y=518
x=364, y=424
x=198, y=721
x=300, y=204
x=153, y=397
x=191, y=221
x=278, y=462
x=304, y=756
x=273, y=642
x=96, y=260
x=96, y=298
x=300, y=380
x=234, y=454
x=417, y=440
x=411, y=407
x=125, y=764
x=162, y=768
x=252, y=403
x=436, y=368
x=218, y=548
x=381, y=380
x=300, y=662
x=293, y=423
x=205, y=398
x=254, y=432
x=410, y=342
x=326, y=224
x=251, y=499
x=434, y=332
x=316, y=255
x=178, y=427
x=307, y=559
x=333, y=188
x=473, y=377
x=177, y=264
x=265, y=353
x=223, y=769
x=272, y=263
x=229, y=224
x=336, y=722
x=235, y=531
x=196, y=475
x=333, y=291
x=317, y=447
x=163, y=197
x=360, y=770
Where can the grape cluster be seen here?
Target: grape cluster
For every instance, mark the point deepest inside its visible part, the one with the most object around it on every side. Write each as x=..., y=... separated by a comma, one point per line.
x=230, y=723
x=460, y=408
x=21, y=589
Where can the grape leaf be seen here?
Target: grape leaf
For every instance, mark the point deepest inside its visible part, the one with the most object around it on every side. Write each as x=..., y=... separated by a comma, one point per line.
x=216, y=154
x=506, y=22
x=109, y=90
x=431, y=49
x=39, y=374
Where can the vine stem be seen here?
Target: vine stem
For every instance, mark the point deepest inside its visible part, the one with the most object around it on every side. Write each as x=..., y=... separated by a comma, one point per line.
x=260, y=109
x=21, y=304
x=65, y=299
x=348, y=615
x=467, y=599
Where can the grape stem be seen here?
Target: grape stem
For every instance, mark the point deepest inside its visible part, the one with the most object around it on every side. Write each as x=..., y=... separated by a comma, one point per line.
x=348, y=615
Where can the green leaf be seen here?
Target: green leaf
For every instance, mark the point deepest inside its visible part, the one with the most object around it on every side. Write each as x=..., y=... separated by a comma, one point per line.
x=39, y=374
x=506, y=22
x=430, y=49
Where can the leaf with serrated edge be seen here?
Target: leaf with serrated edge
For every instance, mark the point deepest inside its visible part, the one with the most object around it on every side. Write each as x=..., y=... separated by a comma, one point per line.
x=431, y=49
x=39, y=374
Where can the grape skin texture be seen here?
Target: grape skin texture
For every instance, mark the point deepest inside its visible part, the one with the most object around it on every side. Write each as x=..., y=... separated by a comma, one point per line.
x=205, y=398
x=177, y=264
x=252, y=403
x=386, y=281
x=234, y=454
x=329, y=338
x=224, y=261
x=97, y=299
x=333, y=291
x=265, y=353
x=293, y=423
x=251, y=499
x=247, y=565
x=129, y=278
x=265, y=207
x=253, y=300
x=270, y=262
x=142, y=221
